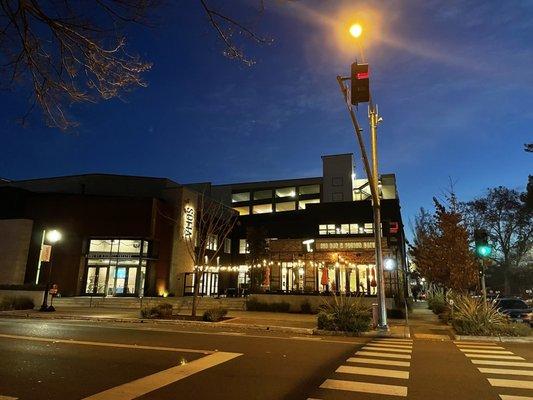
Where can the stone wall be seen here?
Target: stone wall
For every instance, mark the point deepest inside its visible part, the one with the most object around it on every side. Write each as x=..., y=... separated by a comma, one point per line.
x=14, y=246
x=35, y=295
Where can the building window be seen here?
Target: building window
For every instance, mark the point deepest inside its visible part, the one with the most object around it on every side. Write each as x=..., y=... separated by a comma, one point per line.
x=303, y=203
x=309, y=189
x=369, y=228
x=238, y=197
x=345, y=229
x=336, y=181
x=242, y=210
x=286, y=192
x=243, y=246
x=337, y=196
x=287, y=206
x=263, y=194
x=262, y=209
x=212, y=242
x=328, y=229
x=227, y=246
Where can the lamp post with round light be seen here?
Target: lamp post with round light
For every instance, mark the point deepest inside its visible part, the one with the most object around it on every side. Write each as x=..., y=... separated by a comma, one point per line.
x=353, y=95
x=52, y=237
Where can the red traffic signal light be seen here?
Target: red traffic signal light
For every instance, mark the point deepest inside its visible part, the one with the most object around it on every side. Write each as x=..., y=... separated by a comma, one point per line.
x=360, y=91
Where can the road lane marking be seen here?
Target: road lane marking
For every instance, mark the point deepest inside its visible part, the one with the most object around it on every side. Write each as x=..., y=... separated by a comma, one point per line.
x=147, y=384
x=467, y=346
x=365, y=387
x=480, y=343
x=497, y=357
x=384, y=373
x=431, y=336
x=511, y=383
x=510, y=397
x=378, y=362
x=389, y=345
x=105, y=344
x=506, y=371
x=399, y=341
x=8, y=398
x=486, y=351
x=503, y=363
x=384, y=355
x=370, y=347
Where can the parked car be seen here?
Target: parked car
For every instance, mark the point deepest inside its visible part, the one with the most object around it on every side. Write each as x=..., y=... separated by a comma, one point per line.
x=517, y=309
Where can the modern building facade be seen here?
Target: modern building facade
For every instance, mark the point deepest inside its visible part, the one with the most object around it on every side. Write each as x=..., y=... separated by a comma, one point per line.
x=125, y=236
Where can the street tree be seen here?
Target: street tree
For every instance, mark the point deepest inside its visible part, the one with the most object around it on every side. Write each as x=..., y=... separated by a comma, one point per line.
x=213, y=222
x=441, y=247
x=256, y=239
x=66, y=52
x=504, y=214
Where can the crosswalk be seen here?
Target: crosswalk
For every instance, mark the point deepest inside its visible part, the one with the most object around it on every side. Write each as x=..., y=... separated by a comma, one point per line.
x=510, y=374
x=381, y=367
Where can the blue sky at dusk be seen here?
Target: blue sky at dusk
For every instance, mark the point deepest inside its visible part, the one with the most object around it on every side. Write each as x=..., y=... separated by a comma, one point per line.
x=453, y=80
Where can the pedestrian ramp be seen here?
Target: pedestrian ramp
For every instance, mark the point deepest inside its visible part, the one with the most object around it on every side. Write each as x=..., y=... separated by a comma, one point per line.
x=380, y=368
x=510, y=375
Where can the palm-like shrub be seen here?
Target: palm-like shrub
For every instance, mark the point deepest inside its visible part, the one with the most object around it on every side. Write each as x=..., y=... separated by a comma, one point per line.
x=437, y=301
x=345, y=313
x=473, y=316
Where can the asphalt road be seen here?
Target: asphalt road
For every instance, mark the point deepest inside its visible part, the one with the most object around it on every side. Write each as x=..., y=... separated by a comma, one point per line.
x=82, y=360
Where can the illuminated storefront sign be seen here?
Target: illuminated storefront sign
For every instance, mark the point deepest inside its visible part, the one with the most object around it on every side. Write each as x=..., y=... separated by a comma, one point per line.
x=188, y=222
x=343, y=245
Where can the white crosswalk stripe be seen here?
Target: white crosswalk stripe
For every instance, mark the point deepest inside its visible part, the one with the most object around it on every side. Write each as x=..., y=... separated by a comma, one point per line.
x=376, y=361
x=503, y=363
x=390, y=345
x=492, y=357
x=391, y=350
x=469, y=342
x=506, y=371
x=365, y=387
x=377, y=369
x=387, y=373
x=476, y=351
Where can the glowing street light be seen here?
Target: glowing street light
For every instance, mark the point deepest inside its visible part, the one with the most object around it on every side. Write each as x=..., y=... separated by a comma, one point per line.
x=53, y=236
x=356, y=30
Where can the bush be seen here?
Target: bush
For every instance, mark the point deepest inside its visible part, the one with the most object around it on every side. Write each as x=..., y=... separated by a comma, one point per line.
x=306, y=308
x=214, y=314
x=437, y=301
x=16, y=303
x=256, y=305
x=349, y=314
x=162, y=310
x=473, y=316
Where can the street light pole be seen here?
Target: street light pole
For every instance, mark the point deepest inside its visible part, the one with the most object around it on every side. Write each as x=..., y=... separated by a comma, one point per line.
x=375, y=119
x=373, y=178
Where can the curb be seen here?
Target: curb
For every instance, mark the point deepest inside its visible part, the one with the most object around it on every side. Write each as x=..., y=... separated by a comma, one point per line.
x=388, y=334
x=202, y=324
x=503, y=339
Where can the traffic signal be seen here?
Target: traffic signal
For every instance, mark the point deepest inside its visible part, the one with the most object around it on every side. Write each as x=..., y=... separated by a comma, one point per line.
x=360, y=91
x=481, y=239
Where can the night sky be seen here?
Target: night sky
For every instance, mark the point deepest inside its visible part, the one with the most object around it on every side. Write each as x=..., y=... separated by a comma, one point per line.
x=453, y=80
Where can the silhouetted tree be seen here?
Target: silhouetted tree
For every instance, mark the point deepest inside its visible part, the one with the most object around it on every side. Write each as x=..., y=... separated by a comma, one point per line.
x=504, y=214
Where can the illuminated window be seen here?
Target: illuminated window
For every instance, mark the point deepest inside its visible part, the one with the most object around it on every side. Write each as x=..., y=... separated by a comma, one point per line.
x=212, y=242
x=286, y=192
x=242, y=210
x=263, y=194
x=345, y=229
x=328, y=229
x=288, y=206
x=303, y=203
x=262, y=209
x=309, y=189
x=369, y=228
x=237, y=197
x=227, y=246
x=243, y=246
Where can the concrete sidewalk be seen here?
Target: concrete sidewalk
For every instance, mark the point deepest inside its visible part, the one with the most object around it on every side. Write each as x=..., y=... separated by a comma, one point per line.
x=424, y=324
x=258, y=320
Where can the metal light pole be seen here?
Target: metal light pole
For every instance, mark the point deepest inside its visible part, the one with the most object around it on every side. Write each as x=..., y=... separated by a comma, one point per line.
x=53, y=237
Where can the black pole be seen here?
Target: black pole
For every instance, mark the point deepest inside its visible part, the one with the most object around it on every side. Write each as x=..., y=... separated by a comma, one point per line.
x=44, y=306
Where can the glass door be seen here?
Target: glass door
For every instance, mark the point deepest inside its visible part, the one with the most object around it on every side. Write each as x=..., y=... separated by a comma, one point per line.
x=120, y=280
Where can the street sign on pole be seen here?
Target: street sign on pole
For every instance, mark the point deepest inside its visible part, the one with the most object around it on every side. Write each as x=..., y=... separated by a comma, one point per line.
x=46, y=252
